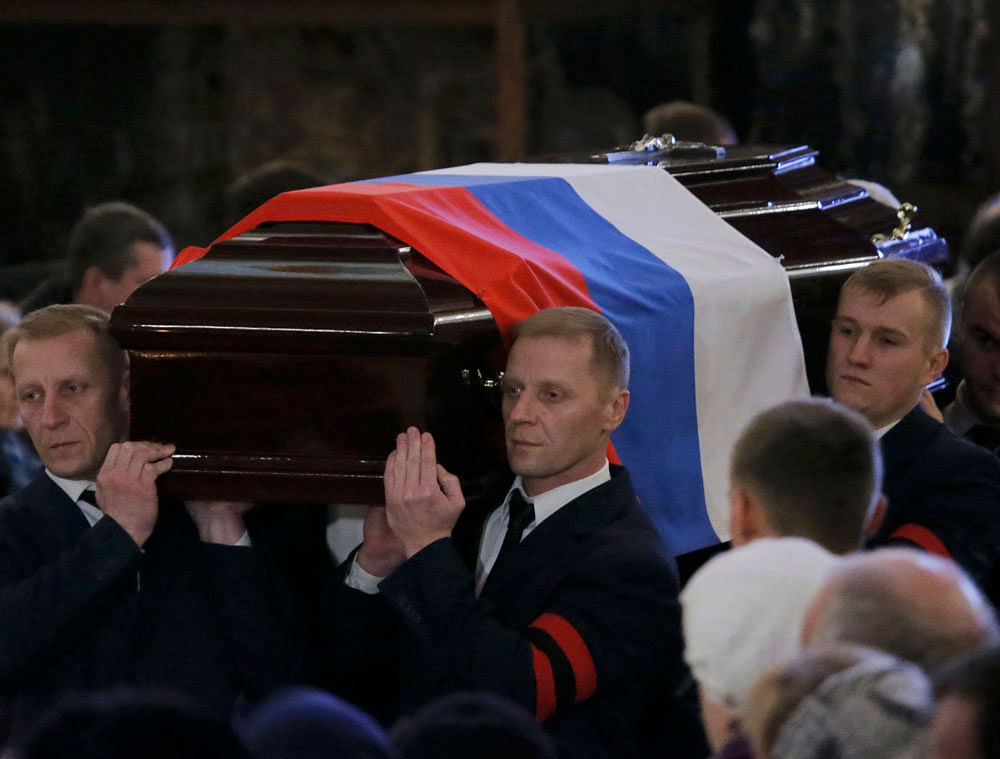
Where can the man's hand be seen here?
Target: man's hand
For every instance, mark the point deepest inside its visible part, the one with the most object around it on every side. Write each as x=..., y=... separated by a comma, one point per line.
x=219, y=521
x=423, y=500
x=126, y=485
x=382, y=552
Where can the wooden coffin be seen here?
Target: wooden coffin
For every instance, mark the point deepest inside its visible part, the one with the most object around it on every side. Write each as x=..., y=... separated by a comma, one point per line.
x=283, y=362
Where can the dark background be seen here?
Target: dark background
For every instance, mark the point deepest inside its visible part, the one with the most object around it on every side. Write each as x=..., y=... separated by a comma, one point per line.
x=165, y=103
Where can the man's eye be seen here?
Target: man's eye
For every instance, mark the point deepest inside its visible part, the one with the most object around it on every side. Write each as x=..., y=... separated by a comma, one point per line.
x=29, y=396
x=511, y=391
x=888, y=341
x=842, y=329
x=985, y=341
x=552, y=395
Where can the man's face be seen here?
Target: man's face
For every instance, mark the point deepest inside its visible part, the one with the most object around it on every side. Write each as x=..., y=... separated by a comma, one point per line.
x=881, y=357
x=150, y=260
x=979, y=351
x=556, y=418
x=71, y=405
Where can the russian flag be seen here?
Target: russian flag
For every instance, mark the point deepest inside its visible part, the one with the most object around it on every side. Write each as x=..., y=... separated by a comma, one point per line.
x=707, y=314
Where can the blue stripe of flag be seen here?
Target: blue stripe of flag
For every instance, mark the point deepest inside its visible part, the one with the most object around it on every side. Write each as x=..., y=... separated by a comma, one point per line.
x=652, y=306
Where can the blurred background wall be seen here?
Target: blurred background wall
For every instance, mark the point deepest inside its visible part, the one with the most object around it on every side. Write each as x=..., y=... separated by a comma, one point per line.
x=165, y=102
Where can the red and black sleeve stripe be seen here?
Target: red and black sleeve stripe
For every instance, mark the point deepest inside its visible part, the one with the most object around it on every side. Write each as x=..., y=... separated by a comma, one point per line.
x=564, y=669
x=921, y=536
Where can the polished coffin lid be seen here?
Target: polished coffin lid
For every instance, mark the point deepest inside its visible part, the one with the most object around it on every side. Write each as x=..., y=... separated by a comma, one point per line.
x=285, y=360
x=283, y=363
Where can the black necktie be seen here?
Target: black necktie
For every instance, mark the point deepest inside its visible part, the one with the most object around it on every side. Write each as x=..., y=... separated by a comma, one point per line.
x=522, y=514
x=89, y=496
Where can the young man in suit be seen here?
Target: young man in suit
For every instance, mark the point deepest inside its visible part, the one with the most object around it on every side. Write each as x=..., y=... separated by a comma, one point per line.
x=559, y=596
x=886, y=345
x=975, y=411
x=101, y=585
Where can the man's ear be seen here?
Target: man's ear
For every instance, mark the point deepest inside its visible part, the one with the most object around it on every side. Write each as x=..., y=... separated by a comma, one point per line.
x=746, y=519
x=90, y=285
x=616, y=409
x=877, y=515
x=936, y=364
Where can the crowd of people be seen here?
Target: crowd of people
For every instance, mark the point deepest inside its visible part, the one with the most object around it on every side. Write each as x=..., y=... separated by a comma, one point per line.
x=852, y=616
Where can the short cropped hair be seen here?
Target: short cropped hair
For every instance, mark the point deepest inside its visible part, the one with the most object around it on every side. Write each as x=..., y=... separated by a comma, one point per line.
x=987, y=272
x=61, y=319
x=610, y=358
x=890, y=277
x=690, y=122
x=814, y=467
x=104, y=236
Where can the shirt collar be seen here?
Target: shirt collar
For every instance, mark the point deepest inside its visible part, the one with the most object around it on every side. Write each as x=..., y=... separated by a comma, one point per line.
x=73, y=489
x=548, y=503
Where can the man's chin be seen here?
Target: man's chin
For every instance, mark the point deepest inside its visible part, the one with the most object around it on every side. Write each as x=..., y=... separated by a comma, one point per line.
x=70, y=470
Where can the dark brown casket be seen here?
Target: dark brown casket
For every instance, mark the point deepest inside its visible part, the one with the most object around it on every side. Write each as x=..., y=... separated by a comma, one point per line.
x=284, y=361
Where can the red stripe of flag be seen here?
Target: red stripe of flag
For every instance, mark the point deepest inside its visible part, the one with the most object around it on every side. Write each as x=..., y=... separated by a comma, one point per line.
x=545, y=684
x=923, y=537
x=513, y=276
x=576, y=651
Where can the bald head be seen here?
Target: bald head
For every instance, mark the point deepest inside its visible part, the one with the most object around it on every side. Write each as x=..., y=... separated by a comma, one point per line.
x=915, y=605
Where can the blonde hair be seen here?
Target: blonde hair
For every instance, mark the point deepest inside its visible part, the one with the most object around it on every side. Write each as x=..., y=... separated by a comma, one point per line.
x=610, y=356
x=58, y=320
x=890, y=277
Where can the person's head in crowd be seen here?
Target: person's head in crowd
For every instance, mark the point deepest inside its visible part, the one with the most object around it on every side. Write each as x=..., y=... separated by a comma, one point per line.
x=839, y=702
x=742, y=612
x=982, y=236
x=306, y=723
x=965, y=724
x=113, y=249
x=887, y=339
x=578, y=357
x=126, y=724
x=71, y=383
x=806, y=468
x=254, y=188
x=473, y=724
x=979, y=340
x=10, y=418
x=689, y=122
x=915, y=605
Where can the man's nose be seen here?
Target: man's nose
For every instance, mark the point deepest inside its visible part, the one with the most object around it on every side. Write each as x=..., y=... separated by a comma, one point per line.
x=860, y=351
x=52, y=412
x=521, y=409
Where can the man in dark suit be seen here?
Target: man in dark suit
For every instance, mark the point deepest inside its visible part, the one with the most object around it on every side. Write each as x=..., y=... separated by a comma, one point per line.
x=99, y=585
x=886, y=346
x=975, y=411
x=113, y=248
x=562, y=598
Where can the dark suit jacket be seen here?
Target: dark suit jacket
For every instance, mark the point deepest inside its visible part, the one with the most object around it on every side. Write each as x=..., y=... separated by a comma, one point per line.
x=945, y=487
x=84, y=608
x=581, y=627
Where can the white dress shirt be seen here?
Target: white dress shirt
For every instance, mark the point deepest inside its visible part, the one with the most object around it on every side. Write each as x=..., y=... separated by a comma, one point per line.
x=545, y=504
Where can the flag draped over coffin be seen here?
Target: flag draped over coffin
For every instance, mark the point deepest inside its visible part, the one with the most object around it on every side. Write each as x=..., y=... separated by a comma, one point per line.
x=707, y=314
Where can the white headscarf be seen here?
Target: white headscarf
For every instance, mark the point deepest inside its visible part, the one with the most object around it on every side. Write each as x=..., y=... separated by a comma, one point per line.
x=743, y=612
